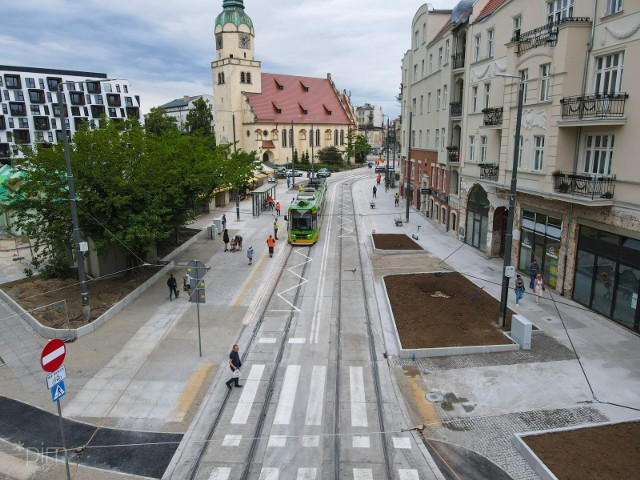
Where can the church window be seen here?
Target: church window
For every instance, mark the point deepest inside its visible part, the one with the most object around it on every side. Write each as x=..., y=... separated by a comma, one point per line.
x=335, y=137
x=221, y=78
x=341, y=137
x=284, y=137
x=248, y=77
x=242, y=78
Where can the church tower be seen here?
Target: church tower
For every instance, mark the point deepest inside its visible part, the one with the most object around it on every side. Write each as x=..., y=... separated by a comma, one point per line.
x=234, y=71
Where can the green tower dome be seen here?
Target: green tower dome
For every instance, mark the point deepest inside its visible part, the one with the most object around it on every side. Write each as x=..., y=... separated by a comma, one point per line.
x=233, y=12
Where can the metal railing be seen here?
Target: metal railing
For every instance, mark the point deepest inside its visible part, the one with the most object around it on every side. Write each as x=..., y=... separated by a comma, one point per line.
x=492, y=116
x=545, y=35
x=455, y=109
x=489, y=171
x=453, y=154
x=594, y=106
x=457, y=59
x=584, y=185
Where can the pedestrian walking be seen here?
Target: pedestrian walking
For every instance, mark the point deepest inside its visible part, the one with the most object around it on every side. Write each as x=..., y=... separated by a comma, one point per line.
x=186, y=284
x=224, y=222
x=276, y=225
x=271, y=243
x=278, y=209
x=374, y=191
x=225, y=239
x=173, y=287
x=396, y=198
x=378, y=179
x=519, y=289
x=234, y=365
x=250, y=255
x=538, y=287
x=288, y=182
x=534, y=270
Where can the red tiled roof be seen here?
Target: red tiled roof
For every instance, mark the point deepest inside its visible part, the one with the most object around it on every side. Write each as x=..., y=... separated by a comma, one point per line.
x=490, y=7
x=287, y=98
x=267, y=144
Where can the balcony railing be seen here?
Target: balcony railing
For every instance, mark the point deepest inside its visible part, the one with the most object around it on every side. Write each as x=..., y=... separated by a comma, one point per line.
x=492, y=116
x=489, y=171
x=457, y=59
x=545, y=35
x=584, y=185
x=453, y=154
x=594, y=106
x=455, y=109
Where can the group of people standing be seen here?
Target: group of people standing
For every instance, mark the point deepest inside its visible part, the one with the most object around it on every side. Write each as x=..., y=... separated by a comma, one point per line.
x=536, y=283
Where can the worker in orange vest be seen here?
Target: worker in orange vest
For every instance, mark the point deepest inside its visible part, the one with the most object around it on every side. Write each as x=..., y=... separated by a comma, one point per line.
x=271, y=243
x=278, y=209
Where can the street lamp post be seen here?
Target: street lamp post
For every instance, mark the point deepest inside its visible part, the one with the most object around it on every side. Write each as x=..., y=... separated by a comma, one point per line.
x=512, y=203
x=408, y=188
x=80, y=246
x=233, y=128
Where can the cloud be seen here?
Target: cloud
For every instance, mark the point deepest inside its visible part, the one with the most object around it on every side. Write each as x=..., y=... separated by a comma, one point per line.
x=165, y=48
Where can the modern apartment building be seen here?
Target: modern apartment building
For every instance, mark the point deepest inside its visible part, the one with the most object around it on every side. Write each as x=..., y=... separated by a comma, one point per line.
x=577, y=208
x=31, y=114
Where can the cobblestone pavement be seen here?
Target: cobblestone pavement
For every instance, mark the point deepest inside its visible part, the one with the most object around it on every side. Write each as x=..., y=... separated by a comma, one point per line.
x=492, y=436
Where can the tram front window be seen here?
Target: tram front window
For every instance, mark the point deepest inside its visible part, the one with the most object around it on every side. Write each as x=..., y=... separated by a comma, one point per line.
x=300, y=220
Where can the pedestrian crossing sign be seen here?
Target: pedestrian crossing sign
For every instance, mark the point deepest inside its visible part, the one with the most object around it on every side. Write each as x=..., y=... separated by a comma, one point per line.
x=58, y=391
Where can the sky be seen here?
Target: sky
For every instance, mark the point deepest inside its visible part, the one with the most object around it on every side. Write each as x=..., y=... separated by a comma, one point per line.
x=164, y=48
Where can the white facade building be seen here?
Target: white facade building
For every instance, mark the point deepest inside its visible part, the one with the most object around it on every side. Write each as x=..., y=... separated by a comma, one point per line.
x=30, y=113
x=180, y=108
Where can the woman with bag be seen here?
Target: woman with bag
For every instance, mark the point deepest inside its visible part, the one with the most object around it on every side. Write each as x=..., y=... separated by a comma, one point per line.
x=519, y=289
x=234, y=365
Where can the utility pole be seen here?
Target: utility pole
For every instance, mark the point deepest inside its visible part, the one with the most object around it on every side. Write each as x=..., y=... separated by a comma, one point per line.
x=408, y=187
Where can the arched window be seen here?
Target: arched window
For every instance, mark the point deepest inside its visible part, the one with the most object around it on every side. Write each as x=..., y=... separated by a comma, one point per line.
x=444, y=215
x=311, y=137
x=335, y=137
x=341, y=137
x=317, y=137
x=242, y=77
x=454, y=220
x=221, y=78
x=248, y=77
x=284, y=137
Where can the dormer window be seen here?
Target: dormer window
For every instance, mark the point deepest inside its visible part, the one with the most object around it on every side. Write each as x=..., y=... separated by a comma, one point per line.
x=326, y=110
x=276, y=108
x=304, y=87
x=278, y=84
x=303, y=110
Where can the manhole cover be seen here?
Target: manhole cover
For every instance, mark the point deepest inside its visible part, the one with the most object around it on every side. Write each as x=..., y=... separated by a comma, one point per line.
x=435, y=397
x=548, y=319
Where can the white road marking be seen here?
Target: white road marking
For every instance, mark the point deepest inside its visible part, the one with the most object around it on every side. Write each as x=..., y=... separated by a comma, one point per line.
x=251, y=384
x=220, y=473
x=406, y=474
x=359, y=441
x=401, y=442
x=315, y=403
x=269, y=474
x=277, y=441
x=358, y=404
x=297, y=340
x=306, y=474
x=267, y=340
x=287, y=395
x=362, y=474
x=231, y=440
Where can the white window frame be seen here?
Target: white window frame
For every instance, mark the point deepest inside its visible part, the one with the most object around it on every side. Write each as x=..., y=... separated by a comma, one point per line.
x=472, y=148
x=487, y=95
x=445, y=95
x=419, y=138
x=476, y=47
x=545, y=77
x=437, y=145
x=443, y=137
x=474, y=98
x=608, y=75
x=438, y=99
x=524, y=79
x=598, y=154
x=558, y=10
x=421, y=104
x=428, y=138
x=516, y=26
x=440, y=54
x=612, y=6
x=490, y=35
x=538, y=153
x=431, y=63
x=422, y=69
x=483, y=149
x=428, y=102
x=446, y=52
x=520, y=144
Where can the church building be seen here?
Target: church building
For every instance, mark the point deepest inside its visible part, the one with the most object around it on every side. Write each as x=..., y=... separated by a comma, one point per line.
x=270, y=113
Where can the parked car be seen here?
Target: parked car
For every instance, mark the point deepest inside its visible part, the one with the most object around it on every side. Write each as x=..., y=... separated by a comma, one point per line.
x=323, y=172
x=294, y=173
x=281, y=174
x=272, y=179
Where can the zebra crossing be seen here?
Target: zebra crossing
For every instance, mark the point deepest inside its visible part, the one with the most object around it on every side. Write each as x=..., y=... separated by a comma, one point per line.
x=316, y=376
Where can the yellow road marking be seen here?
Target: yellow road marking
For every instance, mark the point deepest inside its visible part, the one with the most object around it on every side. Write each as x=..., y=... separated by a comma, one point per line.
x=418, y=389
x=250, y=281
x=189, y=393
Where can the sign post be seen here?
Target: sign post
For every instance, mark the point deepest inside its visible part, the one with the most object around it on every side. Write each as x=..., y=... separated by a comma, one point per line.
x=196, y=271
x=51, y=360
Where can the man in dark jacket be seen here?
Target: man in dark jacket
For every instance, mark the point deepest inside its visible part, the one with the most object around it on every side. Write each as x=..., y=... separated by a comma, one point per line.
x=173, y=287
x=234, y=364
x=534, y=270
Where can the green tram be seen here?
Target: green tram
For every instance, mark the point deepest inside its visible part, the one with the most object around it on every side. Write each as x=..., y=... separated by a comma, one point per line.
x=304, y=213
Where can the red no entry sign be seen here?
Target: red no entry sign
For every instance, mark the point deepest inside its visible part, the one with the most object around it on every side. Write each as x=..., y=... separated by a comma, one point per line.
x=53, y=355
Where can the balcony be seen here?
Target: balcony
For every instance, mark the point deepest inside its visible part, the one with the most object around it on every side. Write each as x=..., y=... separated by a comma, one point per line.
x=594, y=108
x=457, y=60
x=455, y=109
x=492, y=116
x=592, y=187
x=489, y=171
x=453, y=155
x=545, y=35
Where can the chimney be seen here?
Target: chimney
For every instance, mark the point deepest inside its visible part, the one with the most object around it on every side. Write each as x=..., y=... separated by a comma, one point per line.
x=186, y=98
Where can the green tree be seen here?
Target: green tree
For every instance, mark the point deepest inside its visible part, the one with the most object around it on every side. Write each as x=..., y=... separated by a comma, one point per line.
x=330, y=155
x=199, y=119
x=158, y=122
x=361, y=149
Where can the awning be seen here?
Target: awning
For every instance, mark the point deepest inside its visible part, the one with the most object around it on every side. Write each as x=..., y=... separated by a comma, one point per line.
x=268, y=144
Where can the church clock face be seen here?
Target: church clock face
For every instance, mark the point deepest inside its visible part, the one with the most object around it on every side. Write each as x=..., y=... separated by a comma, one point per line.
x=245, y=41
x=218, y=41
